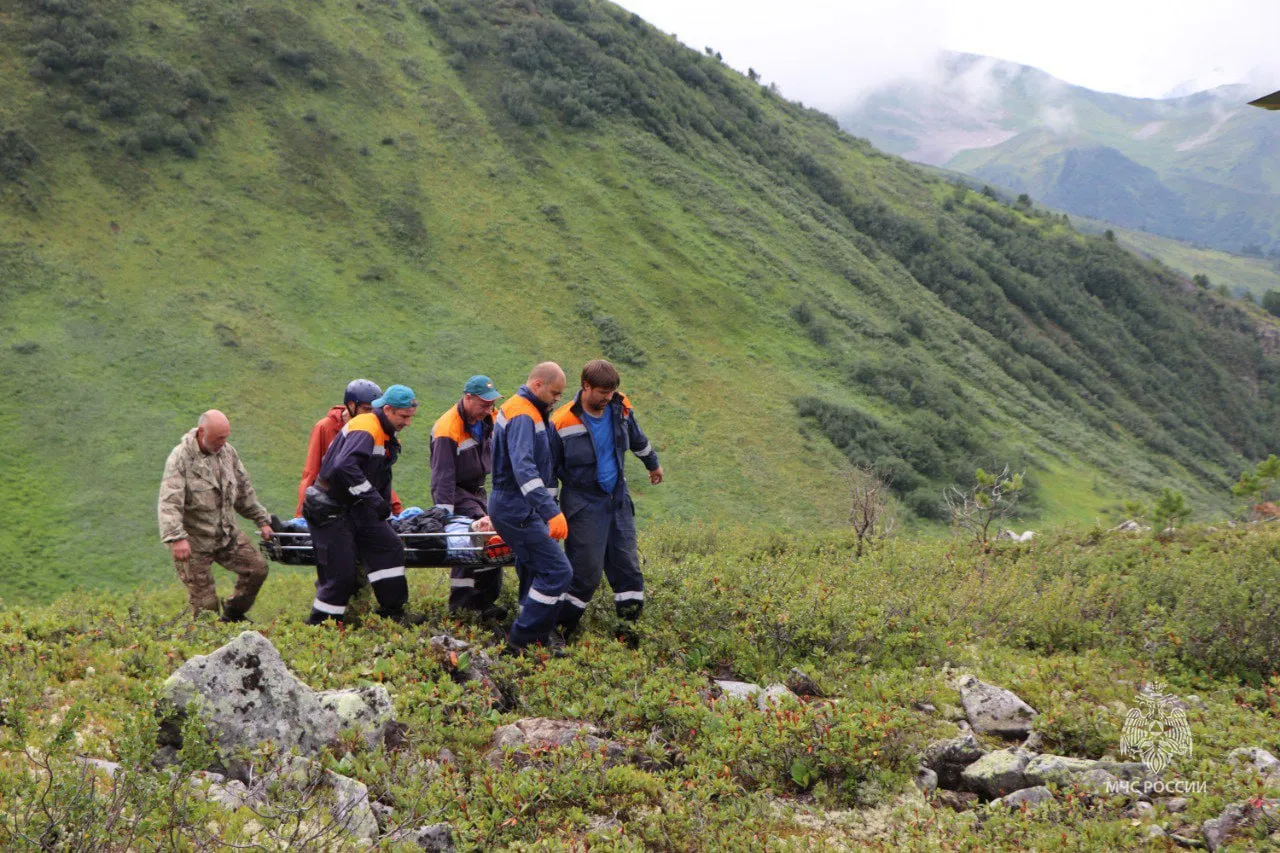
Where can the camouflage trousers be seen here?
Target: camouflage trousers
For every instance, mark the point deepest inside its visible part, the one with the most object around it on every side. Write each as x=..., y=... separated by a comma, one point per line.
x=240, y=557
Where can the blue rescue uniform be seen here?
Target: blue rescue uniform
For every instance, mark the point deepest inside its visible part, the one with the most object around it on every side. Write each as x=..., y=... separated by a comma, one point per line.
x=521, y=504
x=602, y=525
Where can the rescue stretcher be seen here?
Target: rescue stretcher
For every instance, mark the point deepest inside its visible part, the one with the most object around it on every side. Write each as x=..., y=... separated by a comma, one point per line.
x=421, y=550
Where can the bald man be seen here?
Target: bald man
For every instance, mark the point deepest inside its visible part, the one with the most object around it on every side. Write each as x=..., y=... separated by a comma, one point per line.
x=523, y=507
x=204, y=486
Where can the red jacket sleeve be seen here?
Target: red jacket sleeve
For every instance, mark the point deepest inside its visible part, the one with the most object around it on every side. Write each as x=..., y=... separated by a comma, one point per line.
x=396, y=506
x=315, y=453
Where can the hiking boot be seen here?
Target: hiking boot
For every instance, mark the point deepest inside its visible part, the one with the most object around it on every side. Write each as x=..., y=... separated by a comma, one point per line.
x=232, y=615
x=629, y=635
x=510, y=651
x=554, y=644
x=407, y=618
x=494, y=613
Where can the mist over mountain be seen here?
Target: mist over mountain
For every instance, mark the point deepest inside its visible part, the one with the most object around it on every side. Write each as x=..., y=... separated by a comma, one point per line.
x=1199, y=167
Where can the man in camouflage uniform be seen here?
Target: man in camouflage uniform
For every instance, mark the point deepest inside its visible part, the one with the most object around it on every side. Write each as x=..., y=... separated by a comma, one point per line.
x=204, y=485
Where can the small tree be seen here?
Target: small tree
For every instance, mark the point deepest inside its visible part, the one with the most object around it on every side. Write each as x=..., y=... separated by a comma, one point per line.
x=1134, y=510
x=1168, y=511
x=1200, y=280
x=992, y=497
x=873, y=513
x=1259, y=486
x=1271, y=302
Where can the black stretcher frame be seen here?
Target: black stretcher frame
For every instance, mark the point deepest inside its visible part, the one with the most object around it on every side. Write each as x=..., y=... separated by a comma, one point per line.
x=279, y=545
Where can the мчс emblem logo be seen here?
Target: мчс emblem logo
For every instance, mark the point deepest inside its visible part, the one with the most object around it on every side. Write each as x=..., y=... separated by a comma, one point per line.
x=1157, y=731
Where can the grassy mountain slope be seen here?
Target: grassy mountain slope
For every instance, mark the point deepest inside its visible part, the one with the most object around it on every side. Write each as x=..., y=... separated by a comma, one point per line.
x=1239, y=274
x=1199, y=167
x=246, y=207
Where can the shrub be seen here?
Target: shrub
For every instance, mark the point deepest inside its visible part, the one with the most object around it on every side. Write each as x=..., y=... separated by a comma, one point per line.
x=617, y=345
x=151, y=132
x=194, y=85
x=180, y=140
x=293, y=58
x=17, y=154
x=518, y=99
x=77, y=121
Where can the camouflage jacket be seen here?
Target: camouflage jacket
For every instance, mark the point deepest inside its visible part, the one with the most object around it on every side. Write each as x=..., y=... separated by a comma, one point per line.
x=201, y=492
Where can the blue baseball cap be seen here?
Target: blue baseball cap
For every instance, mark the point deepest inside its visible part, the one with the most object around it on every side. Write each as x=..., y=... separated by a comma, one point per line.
x=482, y=387
x=397, y=397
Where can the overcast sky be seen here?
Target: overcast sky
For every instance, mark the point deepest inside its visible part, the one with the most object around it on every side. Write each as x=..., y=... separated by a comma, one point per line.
x=824, y=52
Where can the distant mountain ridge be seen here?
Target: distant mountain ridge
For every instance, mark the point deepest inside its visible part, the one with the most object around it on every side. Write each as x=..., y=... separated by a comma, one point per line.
x=1201, y=167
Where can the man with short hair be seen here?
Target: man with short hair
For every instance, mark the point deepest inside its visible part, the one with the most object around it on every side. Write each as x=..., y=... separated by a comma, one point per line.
x=356, y=400
x=347, y=508
x=594, y=432
x=204, y=485
x=461, y=458
x=522, y=506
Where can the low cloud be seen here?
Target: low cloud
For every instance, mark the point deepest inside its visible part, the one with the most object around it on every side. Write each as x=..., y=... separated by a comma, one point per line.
x=1058, y=119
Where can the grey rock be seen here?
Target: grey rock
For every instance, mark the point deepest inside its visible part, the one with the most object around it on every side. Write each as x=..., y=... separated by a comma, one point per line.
x=348, y=799
x=600, y=823
x=954, y=713
x=1176, y=805
x=448, y=652
x=994, y=710
x=948, y=758
x=773, y=696
x=802, y=684
x=1155, y=831
x=230, y=794
x=437, y=837
x=1259, y=759
x=540, y=733
x=959, y=801
x=998, y=773
x=111, y=768
x=1098, y=781
x=1034, y=742
x=1236, y=817
x=735, y=690
x=925, y=707
x=165, y=757
x=1065, y=771
x=1140, y=810
x=310, y=785
x=248, y=696
x=926, y=780
x=1057, y=769
x=1030, y=797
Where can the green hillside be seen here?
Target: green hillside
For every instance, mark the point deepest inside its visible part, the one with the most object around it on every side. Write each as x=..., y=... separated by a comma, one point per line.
x=244, y=207
x=1200, y=167
x=1238, y=273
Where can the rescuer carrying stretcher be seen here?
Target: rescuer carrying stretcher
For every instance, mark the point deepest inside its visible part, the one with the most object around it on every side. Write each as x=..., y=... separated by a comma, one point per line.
x=347, y=510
